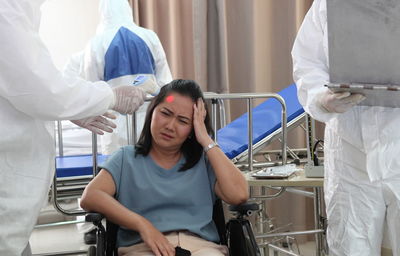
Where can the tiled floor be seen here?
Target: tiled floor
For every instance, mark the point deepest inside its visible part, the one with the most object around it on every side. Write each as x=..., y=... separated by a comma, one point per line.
x=57, y=239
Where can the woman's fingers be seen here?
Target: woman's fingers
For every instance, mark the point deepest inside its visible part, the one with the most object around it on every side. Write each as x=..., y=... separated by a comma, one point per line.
x=163, y=248
x=110, y=115
x=166, y=249
x=199, y=109
x=155, y=250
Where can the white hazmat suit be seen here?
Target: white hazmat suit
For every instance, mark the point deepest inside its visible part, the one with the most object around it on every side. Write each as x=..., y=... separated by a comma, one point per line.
x=33, y=94
x=362, y=167
x=118, y=54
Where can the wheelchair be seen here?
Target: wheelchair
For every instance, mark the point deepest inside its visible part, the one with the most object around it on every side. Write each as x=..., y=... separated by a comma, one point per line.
x=237, y=234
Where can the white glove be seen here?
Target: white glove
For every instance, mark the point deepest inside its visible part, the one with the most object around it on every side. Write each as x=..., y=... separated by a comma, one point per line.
x=147, y=83
x=127, y=99
x=97, y=124
x=339, y=102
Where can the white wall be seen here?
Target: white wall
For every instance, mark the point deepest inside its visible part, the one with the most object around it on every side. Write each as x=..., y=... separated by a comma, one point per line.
x=67, y=25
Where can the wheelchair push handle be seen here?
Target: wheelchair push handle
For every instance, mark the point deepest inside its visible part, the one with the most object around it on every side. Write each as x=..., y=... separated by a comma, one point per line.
x=245, y=209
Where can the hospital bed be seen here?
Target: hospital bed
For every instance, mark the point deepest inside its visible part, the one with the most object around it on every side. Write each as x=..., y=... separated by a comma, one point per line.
x=265, y=120
x=269, y=121
x=74, y=172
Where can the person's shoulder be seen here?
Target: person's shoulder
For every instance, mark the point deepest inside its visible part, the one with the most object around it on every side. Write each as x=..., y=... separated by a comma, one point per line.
x=320, y=7
x=129, y=149
x=126, y=154
x=145, y=32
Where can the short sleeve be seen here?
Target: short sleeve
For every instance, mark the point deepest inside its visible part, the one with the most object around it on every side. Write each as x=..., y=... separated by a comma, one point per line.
x=113, y=165
x=211, y=177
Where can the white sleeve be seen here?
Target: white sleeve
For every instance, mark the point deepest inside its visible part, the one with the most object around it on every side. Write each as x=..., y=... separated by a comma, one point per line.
x=163, y=73
x=33, y=85
x=73, y=66
x=310, y=61
x=92, y=67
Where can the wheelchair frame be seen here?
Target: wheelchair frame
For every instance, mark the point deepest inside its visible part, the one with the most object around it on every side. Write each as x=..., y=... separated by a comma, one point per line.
x=106, y=237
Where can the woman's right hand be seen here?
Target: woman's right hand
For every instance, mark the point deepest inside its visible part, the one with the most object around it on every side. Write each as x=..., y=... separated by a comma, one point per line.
x=156, y=240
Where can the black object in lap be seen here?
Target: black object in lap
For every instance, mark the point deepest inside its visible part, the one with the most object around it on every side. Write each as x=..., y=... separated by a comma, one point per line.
x=181, y=252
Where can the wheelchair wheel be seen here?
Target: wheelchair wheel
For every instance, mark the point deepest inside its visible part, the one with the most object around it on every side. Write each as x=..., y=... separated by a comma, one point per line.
x=92, y=251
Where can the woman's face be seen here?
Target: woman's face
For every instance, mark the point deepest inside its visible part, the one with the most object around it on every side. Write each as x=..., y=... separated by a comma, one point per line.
x=172, y=121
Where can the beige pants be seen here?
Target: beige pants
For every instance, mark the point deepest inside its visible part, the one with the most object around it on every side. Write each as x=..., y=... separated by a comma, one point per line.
x=198, y=246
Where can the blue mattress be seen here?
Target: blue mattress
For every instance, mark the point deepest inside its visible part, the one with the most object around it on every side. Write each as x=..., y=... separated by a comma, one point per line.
x=232, y=138
x=267, y=117
x=69, y=166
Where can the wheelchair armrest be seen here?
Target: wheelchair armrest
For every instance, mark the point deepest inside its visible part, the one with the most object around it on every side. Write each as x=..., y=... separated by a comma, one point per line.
x=244, y=209
x=94, y=217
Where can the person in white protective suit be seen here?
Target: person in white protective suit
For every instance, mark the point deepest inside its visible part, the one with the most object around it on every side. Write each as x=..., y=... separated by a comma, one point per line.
x=362, y=144
x=124, y=53
x=33, y=94
x=76, y=140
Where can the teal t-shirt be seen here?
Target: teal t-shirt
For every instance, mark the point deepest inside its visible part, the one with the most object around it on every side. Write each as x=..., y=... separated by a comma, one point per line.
x=169, y=199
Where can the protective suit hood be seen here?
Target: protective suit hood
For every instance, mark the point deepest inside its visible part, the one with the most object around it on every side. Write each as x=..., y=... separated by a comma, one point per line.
x=25, y=12
x=114, y=13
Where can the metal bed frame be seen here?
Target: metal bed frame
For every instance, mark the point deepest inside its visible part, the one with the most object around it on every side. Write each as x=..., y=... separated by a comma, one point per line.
x=287, y=185
x=73, y=187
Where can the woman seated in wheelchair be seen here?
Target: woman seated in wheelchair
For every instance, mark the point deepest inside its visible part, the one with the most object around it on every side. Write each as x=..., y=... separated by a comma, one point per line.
x=161, y=192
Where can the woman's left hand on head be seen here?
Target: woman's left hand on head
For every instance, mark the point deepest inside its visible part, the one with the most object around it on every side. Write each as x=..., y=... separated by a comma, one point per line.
x=200, y=130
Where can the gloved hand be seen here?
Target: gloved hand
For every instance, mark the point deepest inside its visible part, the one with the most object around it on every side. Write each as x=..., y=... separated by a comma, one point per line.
x=339, y=102
x=147, y=83
x=127, y=99
x=97, y=124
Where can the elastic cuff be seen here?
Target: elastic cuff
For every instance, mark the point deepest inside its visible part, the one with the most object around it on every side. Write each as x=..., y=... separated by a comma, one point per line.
x=113, y=100
x=320, y=113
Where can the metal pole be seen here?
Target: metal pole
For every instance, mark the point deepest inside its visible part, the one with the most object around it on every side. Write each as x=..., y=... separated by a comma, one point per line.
x=274, y=247
x=317, y=214
x=94, y=153
x=55, y=202
x=250, y=131
x=300, y=192
x=128, y=130
x=60, y=139
x=134, y=128
x=284, y=131
x=222, y=114
x=294, y=233
x=214, y=117
x=263, y=196
x=309, y=140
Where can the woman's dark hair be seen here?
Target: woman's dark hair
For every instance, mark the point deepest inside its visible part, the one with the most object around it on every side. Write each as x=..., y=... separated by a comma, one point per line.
x=191, y=149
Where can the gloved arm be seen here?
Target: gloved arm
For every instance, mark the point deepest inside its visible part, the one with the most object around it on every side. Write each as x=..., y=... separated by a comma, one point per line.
x=42, y=92
x=97, y=124
x=339, y=102
x=310, y=62
x=127, y=99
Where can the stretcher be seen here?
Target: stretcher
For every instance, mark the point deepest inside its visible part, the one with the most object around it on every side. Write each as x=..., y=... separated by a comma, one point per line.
x=266, y=125
x=268, y=121
x=231, y=138
x=81, y=165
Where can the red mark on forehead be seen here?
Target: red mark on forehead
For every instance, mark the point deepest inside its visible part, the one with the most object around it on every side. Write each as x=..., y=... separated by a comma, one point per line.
x=170, y=98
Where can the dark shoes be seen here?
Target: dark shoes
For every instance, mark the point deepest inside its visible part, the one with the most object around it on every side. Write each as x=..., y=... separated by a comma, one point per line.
x=90, y=237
